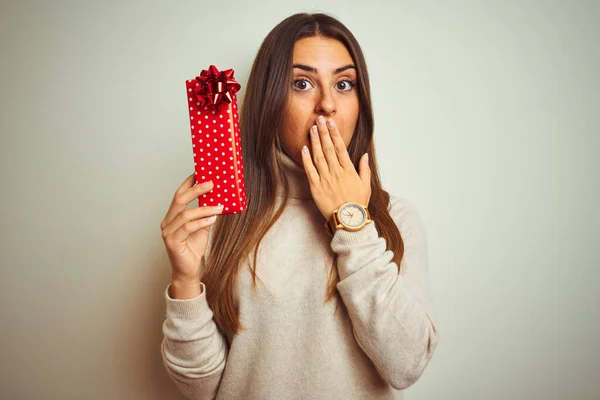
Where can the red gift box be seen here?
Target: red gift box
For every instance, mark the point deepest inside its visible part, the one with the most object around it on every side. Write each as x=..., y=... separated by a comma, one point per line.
x=216, y=143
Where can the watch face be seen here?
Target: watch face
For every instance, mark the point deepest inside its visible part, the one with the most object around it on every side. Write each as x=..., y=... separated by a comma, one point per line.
x=352, y=214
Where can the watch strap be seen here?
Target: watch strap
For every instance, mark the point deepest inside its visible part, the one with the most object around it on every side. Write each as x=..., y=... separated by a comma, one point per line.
x=331, y=223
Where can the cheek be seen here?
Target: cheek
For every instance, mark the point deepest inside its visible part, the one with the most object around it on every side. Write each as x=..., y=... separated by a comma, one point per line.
x=347, y=135
x=299, y=112
x=296, y=119
x=349, y=124
x=294, y=134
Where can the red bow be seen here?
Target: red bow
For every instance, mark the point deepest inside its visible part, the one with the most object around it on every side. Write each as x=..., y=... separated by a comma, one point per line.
x=215, y=88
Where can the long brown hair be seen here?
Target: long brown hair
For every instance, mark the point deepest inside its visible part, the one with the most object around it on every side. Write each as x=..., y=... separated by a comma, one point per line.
x=235, y=236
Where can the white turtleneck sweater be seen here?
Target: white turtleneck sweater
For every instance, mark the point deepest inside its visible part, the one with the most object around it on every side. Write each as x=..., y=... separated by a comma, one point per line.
x=295, y=345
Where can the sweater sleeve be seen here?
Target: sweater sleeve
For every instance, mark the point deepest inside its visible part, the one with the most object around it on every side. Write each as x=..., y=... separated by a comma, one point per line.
x=390, y=312
x=193, y=350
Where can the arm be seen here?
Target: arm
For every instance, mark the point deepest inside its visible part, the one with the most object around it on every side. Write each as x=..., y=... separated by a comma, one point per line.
x=390, y=313
x=194, y=351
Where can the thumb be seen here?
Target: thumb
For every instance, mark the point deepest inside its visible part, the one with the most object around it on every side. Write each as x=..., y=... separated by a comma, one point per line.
x=364, y=171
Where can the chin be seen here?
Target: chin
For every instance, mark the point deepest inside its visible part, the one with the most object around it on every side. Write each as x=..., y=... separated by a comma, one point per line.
x=291, y=153
x=298, y=159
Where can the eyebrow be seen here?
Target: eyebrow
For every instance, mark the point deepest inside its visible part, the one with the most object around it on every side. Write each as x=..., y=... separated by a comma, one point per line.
x=314, y=70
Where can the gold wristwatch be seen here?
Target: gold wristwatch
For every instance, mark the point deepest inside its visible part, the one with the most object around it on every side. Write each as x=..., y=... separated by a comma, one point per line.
x=350, y=216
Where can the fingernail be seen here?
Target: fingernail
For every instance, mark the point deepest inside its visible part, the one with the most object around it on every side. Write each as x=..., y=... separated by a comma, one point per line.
x=320, y=120
x=330, y=123
x=206, y=184
x=305, y=150
x=314, y=130
x=218, y=207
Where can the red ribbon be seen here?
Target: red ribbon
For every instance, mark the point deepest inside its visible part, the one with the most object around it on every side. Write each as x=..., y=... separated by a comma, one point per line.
x=215, y=88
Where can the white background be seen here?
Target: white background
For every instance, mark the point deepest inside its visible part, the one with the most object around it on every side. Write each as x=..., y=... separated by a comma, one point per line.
x=486, y=116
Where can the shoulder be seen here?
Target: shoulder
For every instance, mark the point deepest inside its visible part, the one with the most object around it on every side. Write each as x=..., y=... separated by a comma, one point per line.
x=402, y=210
x=407, y=217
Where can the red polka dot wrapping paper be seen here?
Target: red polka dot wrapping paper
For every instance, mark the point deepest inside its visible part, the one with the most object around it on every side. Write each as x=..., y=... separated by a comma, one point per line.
x=217, y=150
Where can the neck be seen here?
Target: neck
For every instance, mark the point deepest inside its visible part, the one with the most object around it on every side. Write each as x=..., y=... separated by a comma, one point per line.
x=295, y=175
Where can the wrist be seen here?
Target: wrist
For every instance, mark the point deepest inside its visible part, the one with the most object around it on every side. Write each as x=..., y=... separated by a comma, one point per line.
x=183, y=289
x=184, y=279
x=350, y=216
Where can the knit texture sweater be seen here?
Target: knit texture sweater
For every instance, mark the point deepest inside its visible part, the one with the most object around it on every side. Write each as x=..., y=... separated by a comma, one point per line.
x=295, y=345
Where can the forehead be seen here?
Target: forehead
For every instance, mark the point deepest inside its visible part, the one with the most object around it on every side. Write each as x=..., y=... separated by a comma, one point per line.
x=325, y=54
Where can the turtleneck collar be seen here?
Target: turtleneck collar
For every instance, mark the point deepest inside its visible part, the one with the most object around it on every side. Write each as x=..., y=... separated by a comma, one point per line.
x=294, y=173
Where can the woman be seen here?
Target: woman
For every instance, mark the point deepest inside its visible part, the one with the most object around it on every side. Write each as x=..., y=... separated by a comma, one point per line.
x=342, y=307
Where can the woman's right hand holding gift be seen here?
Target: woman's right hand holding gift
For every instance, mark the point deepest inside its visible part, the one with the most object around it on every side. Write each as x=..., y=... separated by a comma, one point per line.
x=185, y=233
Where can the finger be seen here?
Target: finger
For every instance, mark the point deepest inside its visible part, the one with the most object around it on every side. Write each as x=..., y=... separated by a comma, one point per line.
x=339, y=145
x=311, y=172
x=317, y=152
x=364, y=170
x=189, y=220
x=183, y=196
x=327, y=145
x=191, y=214
x=188, y=183
x=189, y=228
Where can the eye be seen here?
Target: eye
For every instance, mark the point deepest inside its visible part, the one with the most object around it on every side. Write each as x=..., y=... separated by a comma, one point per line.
x=348, y=85
x=304, y=84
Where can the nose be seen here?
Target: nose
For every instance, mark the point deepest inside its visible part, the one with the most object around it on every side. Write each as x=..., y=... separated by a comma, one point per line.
x=325, y=103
